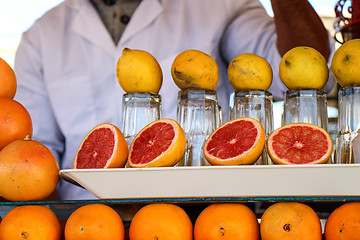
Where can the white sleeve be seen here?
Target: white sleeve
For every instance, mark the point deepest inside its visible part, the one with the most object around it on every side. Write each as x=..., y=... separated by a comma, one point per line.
x=32, y=90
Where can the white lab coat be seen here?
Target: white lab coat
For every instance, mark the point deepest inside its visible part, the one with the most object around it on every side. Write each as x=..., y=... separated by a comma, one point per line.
x=65, y=63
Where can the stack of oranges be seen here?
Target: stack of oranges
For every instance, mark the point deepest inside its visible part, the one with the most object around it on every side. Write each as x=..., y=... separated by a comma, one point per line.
x=15, y=121
x=36, y=171
x=235, y=221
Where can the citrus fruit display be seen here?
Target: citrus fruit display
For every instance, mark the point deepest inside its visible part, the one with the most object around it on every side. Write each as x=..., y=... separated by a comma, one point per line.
x=345, y=64
x=161, y=143
x=138, y=71
x=250, y=71
x=290, y=221
x=28, y=171
x=233, y=221
x=30, y=222
x=7, y=80
x=239, y=141
x=103, y=147
x=161, y=221
x=94, y=222
x=303, y=67
x=15, y=121
x=299, y=143
x=195, y=69
x=344, y=222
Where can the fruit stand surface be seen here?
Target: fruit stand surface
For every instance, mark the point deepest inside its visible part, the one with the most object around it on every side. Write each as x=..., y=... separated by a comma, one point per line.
x=127, y=207
x=326, y=180
x=324, y=187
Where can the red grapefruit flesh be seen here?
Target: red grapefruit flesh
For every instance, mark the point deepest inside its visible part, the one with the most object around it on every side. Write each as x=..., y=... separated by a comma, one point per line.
x=299, y=143
x=159, y=144
x=103, y=147
x=239, y=141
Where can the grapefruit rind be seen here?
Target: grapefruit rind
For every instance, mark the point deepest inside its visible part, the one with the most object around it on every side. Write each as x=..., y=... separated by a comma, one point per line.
x=247, y=157
x=276, y=159
x=119, y=153
x=171, y=155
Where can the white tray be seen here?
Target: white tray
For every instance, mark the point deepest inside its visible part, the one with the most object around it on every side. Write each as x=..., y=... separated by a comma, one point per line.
x=219, y=181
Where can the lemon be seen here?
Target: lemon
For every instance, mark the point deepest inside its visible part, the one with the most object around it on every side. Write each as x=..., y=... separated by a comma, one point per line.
x=345, y=63
x=195, y=69
x=138, y=71
x=250, y=71
x=303, y=67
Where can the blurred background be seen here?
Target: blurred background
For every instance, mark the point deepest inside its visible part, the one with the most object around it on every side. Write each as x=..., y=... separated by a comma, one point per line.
x=17, y=16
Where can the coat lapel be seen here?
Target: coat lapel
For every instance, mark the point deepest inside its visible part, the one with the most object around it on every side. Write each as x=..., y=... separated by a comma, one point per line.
x=88, y=24
x=144, y=15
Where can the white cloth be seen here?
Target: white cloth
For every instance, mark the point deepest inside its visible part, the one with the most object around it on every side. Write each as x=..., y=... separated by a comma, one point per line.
x=65, y=63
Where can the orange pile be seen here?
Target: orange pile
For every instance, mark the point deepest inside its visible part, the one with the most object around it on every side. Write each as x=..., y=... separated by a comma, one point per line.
x=233, y=221
x=37, y=171
x=15, y=121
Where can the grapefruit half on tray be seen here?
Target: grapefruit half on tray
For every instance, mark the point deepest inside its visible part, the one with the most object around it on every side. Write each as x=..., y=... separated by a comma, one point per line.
x=159, y=144
x=103, y=147
x=239, y=141
x=299, y=143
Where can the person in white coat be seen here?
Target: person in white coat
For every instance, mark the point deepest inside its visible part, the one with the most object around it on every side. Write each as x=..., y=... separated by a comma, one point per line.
x=65, y=63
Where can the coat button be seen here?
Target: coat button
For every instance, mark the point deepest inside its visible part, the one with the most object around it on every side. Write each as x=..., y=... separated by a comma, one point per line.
x=125, y=19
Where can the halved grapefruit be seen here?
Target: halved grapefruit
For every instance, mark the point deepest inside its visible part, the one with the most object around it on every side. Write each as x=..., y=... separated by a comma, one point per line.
x=159, y=144
x=239, y=141
x=299, y=143
x=103, y=147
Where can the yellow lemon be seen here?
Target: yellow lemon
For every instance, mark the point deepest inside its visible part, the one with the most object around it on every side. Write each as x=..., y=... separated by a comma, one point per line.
x=250, y=71
x=345, y=63
x=195, y=69
x=138, y=71
x=303, y=67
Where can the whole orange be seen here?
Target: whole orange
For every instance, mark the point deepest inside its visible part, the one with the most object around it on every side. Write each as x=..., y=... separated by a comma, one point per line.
x=233, y=221
x=344, y=222
x=15, y=121
x=30, y=222
x=290, y=221
x=7, y=80
x=28, y=171
x=161, y=221
x=94, y=222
